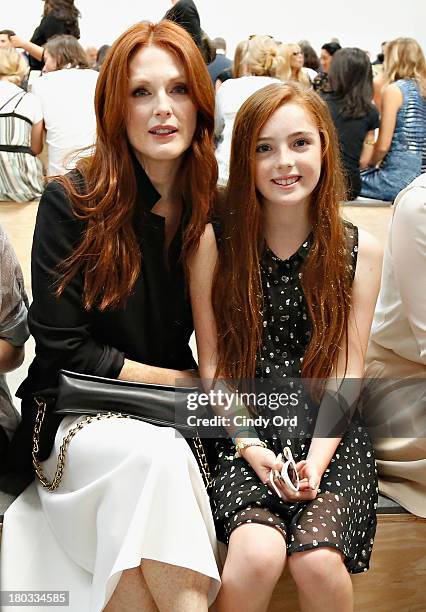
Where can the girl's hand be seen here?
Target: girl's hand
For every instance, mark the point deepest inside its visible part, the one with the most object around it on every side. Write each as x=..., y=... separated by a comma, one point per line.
x=263, y=461
x=309, y=471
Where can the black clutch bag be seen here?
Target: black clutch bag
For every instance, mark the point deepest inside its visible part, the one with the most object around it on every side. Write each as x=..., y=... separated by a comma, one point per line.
x=97, y=398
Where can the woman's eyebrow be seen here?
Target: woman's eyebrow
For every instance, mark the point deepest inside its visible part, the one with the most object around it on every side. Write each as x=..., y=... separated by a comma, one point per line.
x=147, y=81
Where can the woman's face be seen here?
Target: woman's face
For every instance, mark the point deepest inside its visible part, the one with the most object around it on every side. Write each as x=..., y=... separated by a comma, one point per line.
x=50, y=64
x=325, y=60
x=296, y=57
x=288, y=157
x=162, y=117
x=5, y=41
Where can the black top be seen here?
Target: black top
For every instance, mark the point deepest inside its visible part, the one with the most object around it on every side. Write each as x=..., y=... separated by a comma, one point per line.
x=185, y=14
x=49, y=26
x=153, y=327
x=351, y=134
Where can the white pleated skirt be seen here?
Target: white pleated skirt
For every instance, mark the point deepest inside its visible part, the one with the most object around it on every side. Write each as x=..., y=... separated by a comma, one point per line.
x=130, y=491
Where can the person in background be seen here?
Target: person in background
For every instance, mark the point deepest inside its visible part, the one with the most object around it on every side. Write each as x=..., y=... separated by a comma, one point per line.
x=21, y=132
x=399, y=154
x=103, y=50
x=221, y=62
x=13, y=335
x=327, y=51
x=185, y=14
x=92, y=56
x=66, y=91
x=396, y=357
x=239, y=53
x=5, y=36
x=257, y=69
x=290, y=64
x=59, y=17
x=354, y=116
x=208, y=50
x=310, y=57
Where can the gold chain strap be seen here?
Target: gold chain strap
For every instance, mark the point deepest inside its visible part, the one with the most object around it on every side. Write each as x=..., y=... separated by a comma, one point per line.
x=203, y=463
x=53, y=484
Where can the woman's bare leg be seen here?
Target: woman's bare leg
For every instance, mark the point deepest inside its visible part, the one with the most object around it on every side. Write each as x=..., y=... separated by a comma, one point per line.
x=174, y=588
x=131, y=594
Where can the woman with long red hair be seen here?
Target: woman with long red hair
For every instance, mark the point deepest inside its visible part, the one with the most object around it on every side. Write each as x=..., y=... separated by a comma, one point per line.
x=110, y=253
x=288, y=294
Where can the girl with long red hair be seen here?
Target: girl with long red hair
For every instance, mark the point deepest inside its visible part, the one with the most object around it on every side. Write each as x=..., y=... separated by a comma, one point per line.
x=129, y=526
x=288, y=293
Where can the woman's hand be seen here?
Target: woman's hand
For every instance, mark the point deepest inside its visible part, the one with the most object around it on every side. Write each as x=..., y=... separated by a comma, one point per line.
x=17, y=42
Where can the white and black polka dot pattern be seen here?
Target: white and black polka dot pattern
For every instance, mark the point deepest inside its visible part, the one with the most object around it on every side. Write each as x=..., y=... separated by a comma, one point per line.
x=343, y=515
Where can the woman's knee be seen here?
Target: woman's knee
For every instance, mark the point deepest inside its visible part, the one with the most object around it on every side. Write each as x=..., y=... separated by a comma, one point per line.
x=313, y=567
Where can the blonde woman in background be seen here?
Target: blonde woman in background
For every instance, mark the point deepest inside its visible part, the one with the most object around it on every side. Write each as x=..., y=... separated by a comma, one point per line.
x=21, y=132
x=290, y=65
x=256, y=70
x=401, y=143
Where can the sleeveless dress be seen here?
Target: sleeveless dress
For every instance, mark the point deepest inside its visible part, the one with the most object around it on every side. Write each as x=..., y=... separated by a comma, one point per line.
x=21, y=173
x=343, y=514
x=406, y=158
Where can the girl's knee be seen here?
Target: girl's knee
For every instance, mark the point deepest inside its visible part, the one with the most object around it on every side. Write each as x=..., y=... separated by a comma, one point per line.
x=262, y=553
x=315, y=566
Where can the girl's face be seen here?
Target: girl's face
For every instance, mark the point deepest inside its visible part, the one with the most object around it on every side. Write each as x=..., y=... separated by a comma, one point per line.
x=162, y=117
x=325, y=60
x=296, y=57
x=288, y=157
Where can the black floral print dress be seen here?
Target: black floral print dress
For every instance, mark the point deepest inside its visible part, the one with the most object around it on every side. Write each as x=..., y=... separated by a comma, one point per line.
x=343, y=515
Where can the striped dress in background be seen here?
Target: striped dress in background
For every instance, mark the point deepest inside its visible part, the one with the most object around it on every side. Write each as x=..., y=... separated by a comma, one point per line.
x=21, y=177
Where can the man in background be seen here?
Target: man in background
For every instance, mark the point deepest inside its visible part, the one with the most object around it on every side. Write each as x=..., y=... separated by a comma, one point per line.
x=221, y=62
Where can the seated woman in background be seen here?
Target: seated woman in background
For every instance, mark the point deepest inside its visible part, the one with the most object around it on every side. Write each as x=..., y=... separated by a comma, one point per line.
x=13, y=335
x=21, y=132
x=290, y=67
x=354, y=116
x=66, y=91
x=401, y=142
x=257, y=67
x=396, y=357
x=327, y=51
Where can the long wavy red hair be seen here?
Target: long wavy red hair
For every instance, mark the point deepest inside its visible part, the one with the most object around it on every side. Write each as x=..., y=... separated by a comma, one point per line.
x=109, y=255
x=237, y=289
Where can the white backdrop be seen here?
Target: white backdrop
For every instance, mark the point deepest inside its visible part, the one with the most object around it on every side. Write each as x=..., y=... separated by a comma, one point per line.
x=362, y=23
